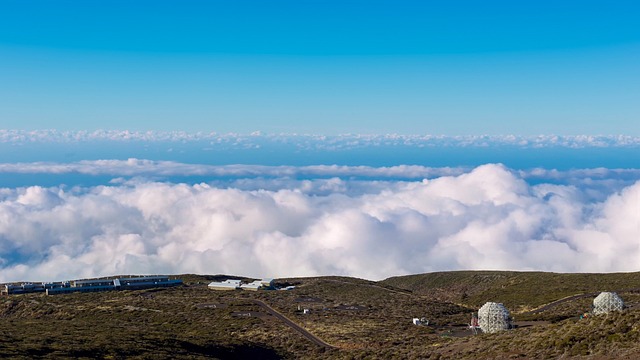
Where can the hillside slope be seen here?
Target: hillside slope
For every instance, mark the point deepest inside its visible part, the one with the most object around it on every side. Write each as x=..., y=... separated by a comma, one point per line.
x=348, y=318
x=519, y=291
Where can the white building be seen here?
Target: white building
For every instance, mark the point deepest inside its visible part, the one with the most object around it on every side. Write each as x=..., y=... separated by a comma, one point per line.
x=225, y=285
x=252, y=286
x=237, y=284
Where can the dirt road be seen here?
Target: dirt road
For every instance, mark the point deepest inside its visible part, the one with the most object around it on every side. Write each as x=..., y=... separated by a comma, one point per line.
x=316, y=340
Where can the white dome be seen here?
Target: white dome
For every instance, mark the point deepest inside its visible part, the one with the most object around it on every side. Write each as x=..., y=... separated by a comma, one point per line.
x=494, y=317
x=607, y=302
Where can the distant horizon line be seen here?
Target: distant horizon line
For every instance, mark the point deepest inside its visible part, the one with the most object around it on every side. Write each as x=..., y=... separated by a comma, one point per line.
x=367, y=139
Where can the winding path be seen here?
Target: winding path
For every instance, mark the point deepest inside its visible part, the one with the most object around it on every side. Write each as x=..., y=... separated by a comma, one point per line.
x=397, y=291
x=571, y=298
x=558, y=302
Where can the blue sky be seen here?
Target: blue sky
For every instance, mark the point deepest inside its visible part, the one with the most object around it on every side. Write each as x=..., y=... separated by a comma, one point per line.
x=329, y=67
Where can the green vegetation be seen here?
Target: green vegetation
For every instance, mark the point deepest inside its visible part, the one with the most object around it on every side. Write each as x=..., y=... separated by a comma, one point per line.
x=362, y=319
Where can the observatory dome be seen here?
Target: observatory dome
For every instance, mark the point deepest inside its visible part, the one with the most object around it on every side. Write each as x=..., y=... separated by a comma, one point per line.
x=607, y=302
x=494, y=317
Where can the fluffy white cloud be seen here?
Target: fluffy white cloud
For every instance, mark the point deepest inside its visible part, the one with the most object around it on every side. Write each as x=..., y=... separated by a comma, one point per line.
x=487, y=218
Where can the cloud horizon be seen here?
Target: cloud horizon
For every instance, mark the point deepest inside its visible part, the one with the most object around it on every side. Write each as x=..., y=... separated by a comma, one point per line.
x=321, y=141
x=488, y=217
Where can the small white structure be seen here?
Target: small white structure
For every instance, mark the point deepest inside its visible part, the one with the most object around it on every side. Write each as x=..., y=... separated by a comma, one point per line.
x=305, y=311
x=252, y=286
x=420, y=321
x=494, y=317
x=607, y=302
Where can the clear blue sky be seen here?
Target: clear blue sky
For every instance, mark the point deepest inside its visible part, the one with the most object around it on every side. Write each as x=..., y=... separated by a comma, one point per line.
x=411, y=67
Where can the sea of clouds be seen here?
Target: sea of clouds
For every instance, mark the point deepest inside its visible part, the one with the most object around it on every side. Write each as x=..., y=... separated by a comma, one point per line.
x=370, y=222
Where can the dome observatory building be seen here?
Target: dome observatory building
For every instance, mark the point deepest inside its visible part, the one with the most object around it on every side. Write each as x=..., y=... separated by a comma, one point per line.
x=607, y=302
x=494, y=317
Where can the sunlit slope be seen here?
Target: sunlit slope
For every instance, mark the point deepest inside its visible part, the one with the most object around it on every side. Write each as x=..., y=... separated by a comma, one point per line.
x=517, y=290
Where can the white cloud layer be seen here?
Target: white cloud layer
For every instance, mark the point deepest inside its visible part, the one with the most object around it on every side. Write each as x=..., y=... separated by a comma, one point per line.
x=322, y=142
x=150, y=168
x=487, y=218
x=142, y=167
